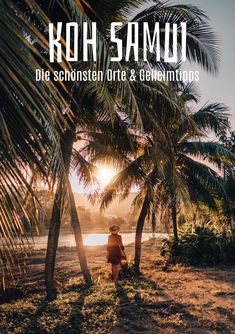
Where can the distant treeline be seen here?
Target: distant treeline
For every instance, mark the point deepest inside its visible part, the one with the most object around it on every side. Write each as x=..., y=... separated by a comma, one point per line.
x=91, y=221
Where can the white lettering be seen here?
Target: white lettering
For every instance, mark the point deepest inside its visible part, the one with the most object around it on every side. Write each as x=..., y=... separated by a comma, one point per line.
x=130, y=43
x=149, y=45
x=55, y=42
x=116, y=40
x=91, y=41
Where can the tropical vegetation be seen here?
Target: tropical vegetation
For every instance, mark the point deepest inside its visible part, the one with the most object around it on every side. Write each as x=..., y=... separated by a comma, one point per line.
x=200, y=245
x=147, y=130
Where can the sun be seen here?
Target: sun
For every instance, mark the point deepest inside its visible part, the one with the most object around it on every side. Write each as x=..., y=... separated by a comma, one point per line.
x=105, y=174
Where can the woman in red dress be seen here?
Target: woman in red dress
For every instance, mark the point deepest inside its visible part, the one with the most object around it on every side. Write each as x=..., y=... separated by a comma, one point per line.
x=115, y=250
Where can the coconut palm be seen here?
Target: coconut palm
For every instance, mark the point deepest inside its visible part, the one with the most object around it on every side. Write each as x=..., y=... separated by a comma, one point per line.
x=99, y=96
x=31, y=120
x=228, y=141
x=175, y=166
x=127, y=96
x=200, y=37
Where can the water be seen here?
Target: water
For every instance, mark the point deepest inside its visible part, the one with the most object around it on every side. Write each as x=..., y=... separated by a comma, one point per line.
x=93, y=239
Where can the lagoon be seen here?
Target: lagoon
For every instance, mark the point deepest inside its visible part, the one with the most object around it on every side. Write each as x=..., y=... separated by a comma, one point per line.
x=93, y=239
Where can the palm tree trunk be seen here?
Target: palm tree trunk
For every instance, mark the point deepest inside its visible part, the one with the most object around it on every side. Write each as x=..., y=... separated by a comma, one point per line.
x=78, y=237
x=174, y=220
x=138, y=235
x=54, y=229
x=52, y=245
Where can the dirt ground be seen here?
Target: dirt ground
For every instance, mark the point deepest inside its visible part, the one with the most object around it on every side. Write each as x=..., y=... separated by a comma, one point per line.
x=179, y=300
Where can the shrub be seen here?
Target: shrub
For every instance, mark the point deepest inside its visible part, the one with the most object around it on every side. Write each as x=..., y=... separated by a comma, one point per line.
x=199, y=246
x=127, y=269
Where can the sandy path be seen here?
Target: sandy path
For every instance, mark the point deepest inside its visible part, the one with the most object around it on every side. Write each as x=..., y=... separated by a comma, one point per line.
x=180, y=300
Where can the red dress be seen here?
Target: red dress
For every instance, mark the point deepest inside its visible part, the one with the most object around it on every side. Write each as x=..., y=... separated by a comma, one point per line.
x=114, y=248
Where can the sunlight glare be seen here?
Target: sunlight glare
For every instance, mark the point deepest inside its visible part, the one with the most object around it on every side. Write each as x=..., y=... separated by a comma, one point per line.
x=105, y=174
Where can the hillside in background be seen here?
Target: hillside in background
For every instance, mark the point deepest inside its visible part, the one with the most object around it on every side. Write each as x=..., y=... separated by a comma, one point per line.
x=117, y=208
x=92, y=219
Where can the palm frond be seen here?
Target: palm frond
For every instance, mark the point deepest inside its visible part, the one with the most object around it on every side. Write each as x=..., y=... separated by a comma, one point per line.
x=203, y=173
x=122, y=91
x=212, y=117
x=31, y=115
x=85, y=170
x=211, y=151
x=123, y=182
x=202, y=43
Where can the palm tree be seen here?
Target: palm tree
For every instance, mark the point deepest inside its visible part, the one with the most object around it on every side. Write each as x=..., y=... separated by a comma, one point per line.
x=31, y=119
x=228, y=141
x=211, y=118
x=200, y=38
x=128, y=96
x=170, y=165
x=99, y=96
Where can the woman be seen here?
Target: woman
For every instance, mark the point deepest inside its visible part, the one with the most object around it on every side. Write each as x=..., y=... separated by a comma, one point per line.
x=115, y=250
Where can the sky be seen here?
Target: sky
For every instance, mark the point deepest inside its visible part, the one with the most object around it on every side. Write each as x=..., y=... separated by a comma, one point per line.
x=222, y=87
x=219, y=88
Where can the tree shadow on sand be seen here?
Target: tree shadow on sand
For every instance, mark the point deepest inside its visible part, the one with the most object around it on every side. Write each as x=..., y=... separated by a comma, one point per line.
x=225, y=274
x=131, y=318
x=136, y=305
x=225, y=312
x=161, y=314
